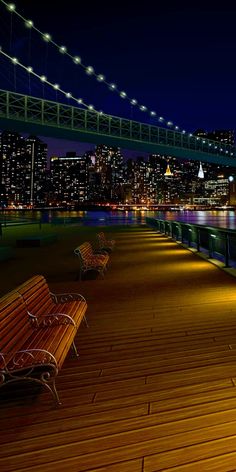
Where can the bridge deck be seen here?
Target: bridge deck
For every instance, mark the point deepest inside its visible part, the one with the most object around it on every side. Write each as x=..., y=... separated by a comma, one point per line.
x=154, y=388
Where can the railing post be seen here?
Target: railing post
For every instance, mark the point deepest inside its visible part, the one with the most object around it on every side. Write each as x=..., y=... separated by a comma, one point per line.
x=227, y=250
x=211, y=244
x=189, y=237
x=198, y=239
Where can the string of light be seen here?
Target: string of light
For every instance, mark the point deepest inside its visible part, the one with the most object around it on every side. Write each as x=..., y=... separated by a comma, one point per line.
x=44, y=80
x=89, y=70
x=79, y=101
x=100, y=78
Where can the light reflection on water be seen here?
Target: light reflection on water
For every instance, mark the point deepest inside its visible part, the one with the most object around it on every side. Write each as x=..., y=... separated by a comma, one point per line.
x=220, y=218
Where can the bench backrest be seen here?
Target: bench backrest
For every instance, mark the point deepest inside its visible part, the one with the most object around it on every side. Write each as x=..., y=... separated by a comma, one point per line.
x=101, y=239
x=36, y=295
x=85, y=251
x=14, y=324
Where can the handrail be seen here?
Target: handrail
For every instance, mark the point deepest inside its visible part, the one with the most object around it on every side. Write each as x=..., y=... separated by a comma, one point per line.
x=216, y=243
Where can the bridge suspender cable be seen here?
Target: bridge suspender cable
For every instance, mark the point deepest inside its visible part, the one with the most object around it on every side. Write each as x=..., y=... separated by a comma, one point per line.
x=43, y=79
x=90, y=70
x=228, y=148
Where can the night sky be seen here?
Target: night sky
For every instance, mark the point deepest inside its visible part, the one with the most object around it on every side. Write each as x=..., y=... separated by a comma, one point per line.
x=176, y=58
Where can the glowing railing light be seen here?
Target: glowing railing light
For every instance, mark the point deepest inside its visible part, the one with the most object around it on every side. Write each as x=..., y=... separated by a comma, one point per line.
x=133, y=101
x=43, y=78
x=123, y=94
x=152, y=113
x=80, y=101
x=56, y=86
x=197, y=138
x=62, y=49
x=91, y=107
x=216, y=147
x=47, y=37
x=30, y=69
x=143, y=108
x=112, y=86
x=176, y=127
x=15, y=60
x=100, y=78
x=183, y=131
x=68, y=95
x=161, y=118
x=169, y=123
x=29, y=24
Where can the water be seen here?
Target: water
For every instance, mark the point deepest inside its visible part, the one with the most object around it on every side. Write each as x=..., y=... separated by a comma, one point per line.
x=219, y=218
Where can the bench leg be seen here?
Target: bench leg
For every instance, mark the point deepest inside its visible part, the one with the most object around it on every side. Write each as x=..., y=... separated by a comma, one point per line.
x=75, y=349
x=85, y=321
x=45, y=380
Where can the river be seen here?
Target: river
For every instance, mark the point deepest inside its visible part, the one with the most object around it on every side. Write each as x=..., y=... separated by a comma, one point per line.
x=219, y=218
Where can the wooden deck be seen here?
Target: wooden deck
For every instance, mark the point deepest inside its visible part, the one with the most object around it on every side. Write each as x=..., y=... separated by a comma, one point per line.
x=155, y=386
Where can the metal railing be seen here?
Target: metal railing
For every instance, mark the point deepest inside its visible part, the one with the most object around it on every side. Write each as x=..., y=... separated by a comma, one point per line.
x=216, y=243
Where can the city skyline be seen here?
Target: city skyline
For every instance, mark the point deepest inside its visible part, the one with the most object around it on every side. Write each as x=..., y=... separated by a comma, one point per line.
x=103, y=176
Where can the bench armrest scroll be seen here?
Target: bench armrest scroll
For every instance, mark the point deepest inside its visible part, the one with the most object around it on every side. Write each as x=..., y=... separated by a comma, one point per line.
x=66, y=297
x=52, y=319
x=26, y=359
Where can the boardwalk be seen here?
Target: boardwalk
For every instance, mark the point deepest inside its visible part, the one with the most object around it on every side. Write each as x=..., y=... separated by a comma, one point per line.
x=155, y=386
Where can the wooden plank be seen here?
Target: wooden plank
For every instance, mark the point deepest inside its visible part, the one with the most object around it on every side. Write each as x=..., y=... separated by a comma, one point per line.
x=155, y=377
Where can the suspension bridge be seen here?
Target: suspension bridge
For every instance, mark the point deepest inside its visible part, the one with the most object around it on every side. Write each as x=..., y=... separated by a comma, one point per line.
x=27, y=113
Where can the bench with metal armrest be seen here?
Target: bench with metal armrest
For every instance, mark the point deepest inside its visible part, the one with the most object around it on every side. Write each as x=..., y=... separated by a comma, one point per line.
x=90, y=260
x=37, y=330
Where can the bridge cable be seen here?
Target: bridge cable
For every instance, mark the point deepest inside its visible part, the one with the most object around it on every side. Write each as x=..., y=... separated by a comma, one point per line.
x=80, y=101
x=89, y=70
x=44, y=80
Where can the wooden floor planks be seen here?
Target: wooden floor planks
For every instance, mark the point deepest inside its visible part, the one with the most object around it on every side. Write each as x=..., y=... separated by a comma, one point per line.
x=154, y=388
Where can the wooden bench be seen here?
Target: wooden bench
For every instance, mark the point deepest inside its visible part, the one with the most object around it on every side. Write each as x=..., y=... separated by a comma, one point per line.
x=105, y=244
x=37, y=330
x=90, y=260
